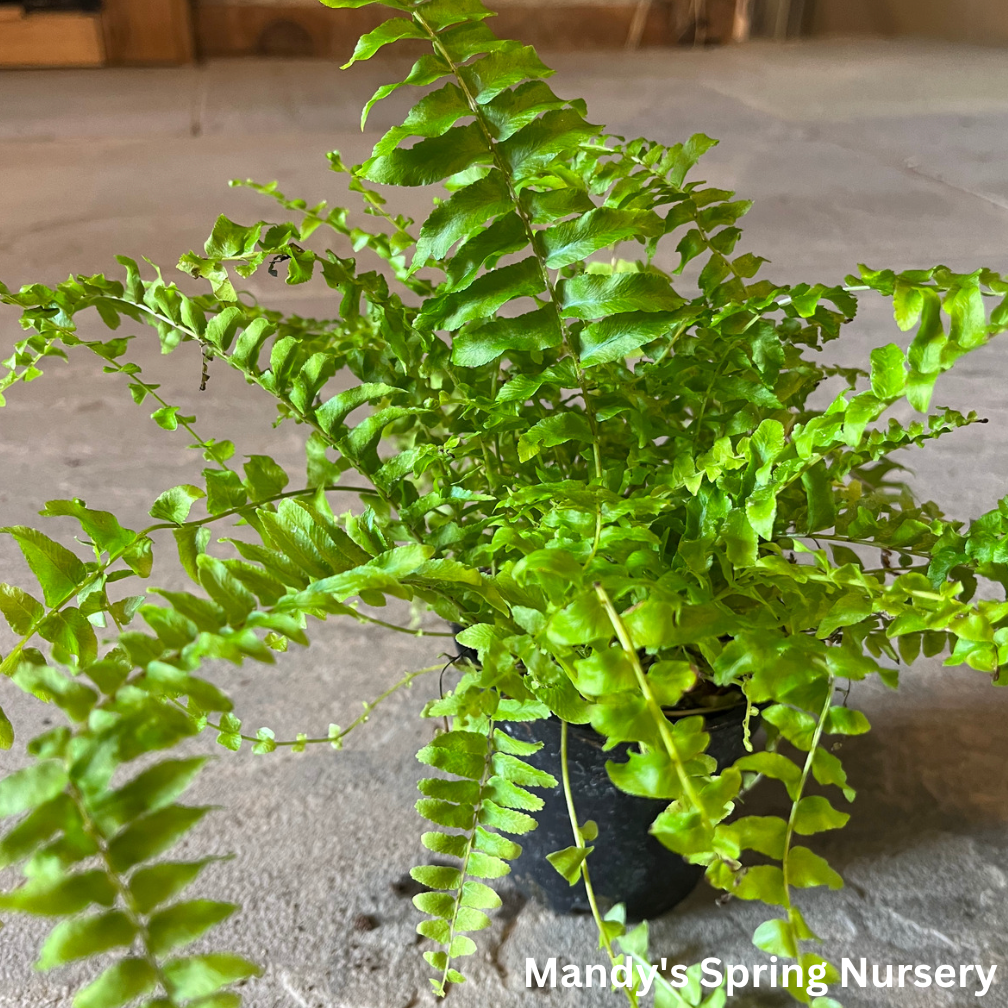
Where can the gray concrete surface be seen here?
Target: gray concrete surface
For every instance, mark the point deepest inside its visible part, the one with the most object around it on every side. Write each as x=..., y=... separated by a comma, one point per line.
x=885, y=153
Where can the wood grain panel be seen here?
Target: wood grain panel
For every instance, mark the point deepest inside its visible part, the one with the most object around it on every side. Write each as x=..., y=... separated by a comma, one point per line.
x=51, y=40
x=148, y=32
x=248, y=30
x=263, y=29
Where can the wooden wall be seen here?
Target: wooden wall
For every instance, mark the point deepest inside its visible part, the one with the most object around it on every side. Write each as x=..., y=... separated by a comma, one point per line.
x=50, y=40
x=298, y=29
x=983, y=22
x=126, y=32
x=148, y=32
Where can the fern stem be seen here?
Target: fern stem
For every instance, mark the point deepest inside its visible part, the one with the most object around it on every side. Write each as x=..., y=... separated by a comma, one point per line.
x=369, y=706
x=183, y=423
x=698, y=423
x=470, y=845
x=363, y=617
x=850, y=289
x=526, y=221
x=664, y=728
x=8, y=665
x=806, y=770
x=857, y=542
x=305, y=417
x=128, y=903
x=488, y=465
x=579, y=840
x=13, y=377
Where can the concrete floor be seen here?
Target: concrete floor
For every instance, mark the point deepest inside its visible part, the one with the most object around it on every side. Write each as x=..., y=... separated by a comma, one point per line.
x=886, y=153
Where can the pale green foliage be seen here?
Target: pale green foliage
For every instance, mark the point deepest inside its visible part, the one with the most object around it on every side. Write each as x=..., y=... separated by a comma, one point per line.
x=484, y=796
x=612, y=478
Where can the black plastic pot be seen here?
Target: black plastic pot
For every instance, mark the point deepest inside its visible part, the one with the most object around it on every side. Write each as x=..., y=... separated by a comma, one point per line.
x=628, y=865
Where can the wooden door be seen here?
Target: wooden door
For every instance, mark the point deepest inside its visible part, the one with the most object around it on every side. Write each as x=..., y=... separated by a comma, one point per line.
x=148, y=31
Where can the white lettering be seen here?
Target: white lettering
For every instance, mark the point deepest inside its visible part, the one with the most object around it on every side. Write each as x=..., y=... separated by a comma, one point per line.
x=571, y=976
x=738, y=976
x=715, y=973
x=795, y=973
x=678, y=977
x=860, y=978
x=711, y=977
x=985, y=980
x=816, y=975
x=945, y=976
x=549, y=973
x=647, y=976
x=626, y=970
x=875, y=976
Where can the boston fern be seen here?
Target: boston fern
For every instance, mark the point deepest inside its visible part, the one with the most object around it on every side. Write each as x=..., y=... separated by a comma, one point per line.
x=617, y=481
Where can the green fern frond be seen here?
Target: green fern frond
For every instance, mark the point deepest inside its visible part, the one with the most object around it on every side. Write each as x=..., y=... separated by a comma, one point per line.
x=559, y=446
x=90, y=847
x=483, y=796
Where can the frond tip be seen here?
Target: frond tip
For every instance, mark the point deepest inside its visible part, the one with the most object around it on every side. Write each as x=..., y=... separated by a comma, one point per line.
x=483, y=796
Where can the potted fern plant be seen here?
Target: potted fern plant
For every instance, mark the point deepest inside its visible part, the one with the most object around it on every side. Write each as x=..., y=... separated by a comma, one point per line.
x=617, y=482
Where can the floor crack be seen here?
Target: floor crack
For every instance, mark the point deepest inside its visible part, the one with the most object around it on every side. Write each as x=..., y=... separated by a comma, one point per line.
x=920, y=929
x=911, y=168
x=908, y=166
x=512, y=904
